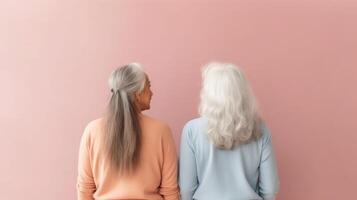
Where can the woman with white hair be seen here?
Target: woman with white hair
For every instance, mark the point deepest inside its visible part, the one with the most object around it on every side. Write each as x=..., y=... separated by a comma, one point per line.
x=227, y=153
x=126, y=154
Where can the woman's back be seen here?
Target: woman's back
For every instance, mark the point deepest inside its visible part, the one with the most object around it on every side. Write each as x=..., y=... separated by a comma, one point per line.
x=206, y=172
x=154, y=178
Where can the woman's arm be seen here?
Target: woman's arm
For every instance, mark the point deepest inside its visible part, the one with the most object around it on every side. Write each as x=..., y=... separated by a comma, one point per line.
x=169, y=188
x=268, y=177
x=188, y=175
x=85, y=182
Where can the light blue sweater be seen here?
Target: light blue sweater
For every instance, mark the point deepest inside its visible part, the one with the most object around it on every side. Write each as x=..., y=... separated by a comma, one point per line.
x=246, y=172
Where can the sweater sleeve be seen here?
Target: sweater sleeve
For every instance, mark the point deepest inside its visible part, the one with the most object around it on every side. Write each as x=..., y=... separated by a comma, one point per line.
x=268, y=173
x=85, y=182
x=188, y=175
x=168, y=187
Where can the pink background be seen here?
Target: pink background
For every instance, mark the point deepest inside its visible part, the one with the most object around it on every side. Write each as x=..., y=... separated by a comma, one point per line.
x=299, y=55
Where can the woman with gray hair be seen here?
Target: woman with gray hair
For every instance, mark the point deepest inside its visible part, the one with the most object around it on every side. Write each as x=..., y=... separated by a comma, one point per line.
x=126, y=154
x=227, y=153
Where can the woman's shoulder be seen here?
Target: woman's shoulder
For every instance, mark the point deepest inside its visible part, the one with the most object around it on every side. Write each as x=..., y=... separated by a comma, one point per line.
x=193, y=126
x=94, y=126
x=92, y=130
x=152, y=120
x=153, y=124
x=195, y=123
x=265, y=135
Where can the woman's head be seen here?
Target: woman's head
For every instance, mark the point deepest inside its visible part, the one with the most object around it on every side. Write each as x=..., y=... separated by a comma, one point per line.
x=131, y=94
x=229, y=105
x=131, y=80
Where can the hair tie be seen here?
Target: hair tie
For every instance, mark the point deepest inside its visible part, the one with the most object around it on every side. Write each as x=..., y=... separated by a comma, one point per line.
x=116, y=91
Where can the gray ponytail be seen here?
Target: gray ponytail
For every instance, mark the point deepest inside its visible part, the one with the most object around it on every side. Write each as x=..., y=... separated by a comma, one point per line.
x=123, y=135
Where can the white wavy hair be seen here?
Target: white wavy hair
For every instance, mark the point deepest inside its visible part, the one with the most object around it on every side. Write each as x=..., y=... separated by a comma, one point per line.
x=229, y=105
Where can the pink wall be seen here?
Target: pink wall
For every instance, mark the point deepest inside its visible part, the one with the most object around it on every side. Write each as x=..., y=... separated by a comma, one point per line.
x=300, y=57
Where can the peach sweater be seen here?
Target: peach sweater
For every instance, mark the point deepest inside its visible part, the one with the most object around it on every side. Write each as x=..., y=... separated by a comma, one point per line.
x=154, y=179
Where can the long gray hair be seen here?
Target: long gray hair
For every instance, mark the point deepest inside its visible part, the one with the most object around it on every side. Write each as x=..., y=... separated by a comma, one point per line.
x=123, y=135
x=228, y=103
